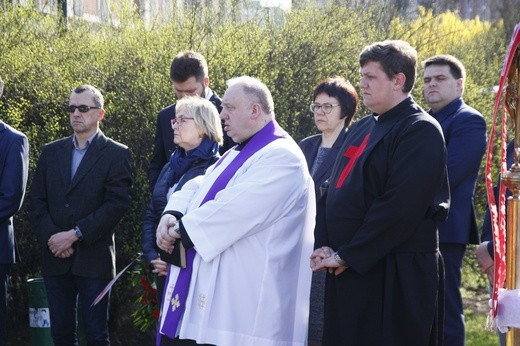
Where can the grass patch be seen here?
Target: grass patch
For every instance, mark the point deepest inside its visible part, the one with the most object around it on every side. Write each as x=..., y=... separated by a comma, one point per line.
x=476, y=333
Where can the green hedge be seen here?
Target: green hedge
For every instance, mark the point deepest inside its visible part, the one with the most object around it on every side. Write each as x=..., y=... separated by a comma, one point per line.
x=41, y=61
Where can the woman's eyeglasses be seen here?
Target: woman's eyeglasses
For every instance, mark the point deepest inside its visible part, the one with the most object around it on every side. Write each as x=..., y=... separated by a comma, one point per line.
x=180, y=120
x=326, y=107
x=80, y=108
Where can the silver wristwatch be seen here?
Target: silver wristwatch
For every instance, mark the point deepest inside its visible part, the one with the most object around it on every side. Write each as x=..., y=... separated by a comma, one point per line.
x=78, y=233
x=340, y=260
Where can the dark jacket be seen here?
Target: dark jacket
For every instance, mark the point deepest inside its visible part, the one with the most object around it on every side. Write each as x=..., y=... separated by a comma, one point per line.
x=464, y=131
x=310, y=146
x=14, y=163
x=95, y=200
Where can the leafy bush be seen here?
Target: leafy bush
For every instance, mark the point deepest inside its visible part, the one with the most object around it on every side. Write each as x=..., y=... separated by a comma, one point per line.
x=42, y=60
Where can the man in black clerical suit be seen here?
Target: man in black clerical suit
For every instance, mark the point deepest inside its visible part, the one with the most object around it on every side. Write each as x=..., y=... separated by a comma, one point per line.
x=378, y=238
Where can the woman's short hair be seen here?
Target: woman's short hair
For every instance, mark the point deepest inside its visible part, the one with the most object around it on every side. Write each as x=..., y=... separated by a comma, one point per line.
x=204, y=114
x=343, y=91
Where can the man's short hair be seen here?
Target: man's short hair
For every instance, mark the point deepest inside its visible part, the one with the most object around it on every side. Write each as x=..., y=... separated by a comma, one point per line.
x=188, y=64
x=98, y=99
x=258, y=91
x=1, y=86
x=394, y=56
x=457, y=69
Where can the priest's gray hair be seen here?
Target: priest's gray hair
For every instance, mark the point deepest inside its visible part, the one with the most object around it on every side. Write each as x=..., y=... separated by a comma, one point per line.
x=258, y=90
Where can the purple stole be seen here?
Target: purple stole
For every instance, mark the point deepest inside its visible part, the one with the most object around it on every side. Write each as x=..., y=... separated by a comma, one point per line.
x=270, y=132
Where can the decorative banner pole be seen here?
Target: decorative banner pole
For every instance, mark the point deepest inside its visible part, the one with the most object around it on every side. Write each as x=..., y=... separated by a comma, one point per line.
x=506, y=246
x=511, y=179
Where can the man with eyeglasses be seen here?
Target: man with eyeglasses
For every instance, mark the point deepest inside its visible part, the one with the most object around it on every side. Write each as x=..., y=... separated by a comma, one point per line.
x=189, y=75
x=80, y=191
x=14, y=160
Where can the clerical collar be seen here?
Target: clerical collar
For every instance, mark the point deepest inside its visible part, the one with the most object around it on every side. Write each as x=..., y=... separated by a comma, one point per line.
x=396, y=111
x=243, y=144
x=272, y=123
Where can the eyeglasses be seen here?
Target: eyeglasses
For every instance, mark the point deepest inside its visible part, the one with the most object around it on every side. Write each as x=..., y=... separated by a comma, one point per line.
x=326, y=107
x=180, y=120
x=80, y=108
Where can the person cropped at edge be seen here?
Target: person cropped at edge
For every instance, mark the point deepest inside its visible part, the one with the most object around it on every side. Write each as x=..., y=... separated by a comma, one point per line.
x=189, y=75
x=80, y=192
x=248, y=223
x=14, y=160
x=378, y=234
x=464, y=131
x=197, y=132
x=484, y=252
x=334, y=104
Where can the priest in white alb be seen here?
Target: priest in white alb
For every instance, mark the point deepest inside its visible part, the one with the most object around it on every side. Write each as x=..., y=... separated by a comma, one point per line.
x=247, y=225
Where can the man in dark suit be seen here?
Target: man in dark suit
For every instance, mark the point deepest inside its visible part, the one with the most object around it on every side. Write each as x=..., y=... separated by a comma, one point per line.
x=189, y=75
x=464, y=131
x=80, y=191
x=14, y=160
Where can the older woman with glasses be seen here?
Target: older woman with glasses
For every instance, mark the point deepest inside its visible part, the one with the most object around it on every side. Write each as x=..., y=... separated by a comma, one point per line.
x=197, y=133
x=334, y=104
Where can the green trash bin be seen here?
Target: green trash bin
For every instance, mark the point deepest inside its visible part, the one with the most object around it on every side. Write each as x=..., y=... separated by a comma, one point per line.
x=39, y=317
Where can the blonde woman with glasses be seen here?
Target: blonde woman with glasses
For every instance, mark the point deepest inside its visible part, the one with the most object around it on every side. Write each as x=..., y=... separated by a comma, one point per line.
x=197, y=134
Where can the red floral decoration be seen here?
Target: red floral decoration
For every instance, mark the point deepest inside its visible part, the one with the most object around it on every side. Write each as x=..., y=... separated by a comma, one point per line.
x=146, y=314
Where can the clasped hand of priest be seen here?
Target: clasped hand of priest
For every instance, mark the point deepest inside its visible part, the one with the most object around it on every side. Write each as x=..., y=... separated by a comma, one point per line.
x=165, y=234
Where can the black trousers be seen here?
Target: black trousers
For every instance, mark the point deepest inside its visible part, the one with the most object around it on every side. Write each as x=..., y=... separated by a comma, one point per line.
x=4, y=274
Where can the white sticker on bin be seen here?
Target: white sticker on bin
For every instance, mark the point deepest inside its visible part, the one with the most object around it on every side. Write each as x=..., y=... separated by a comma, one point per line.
x=39, y=318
